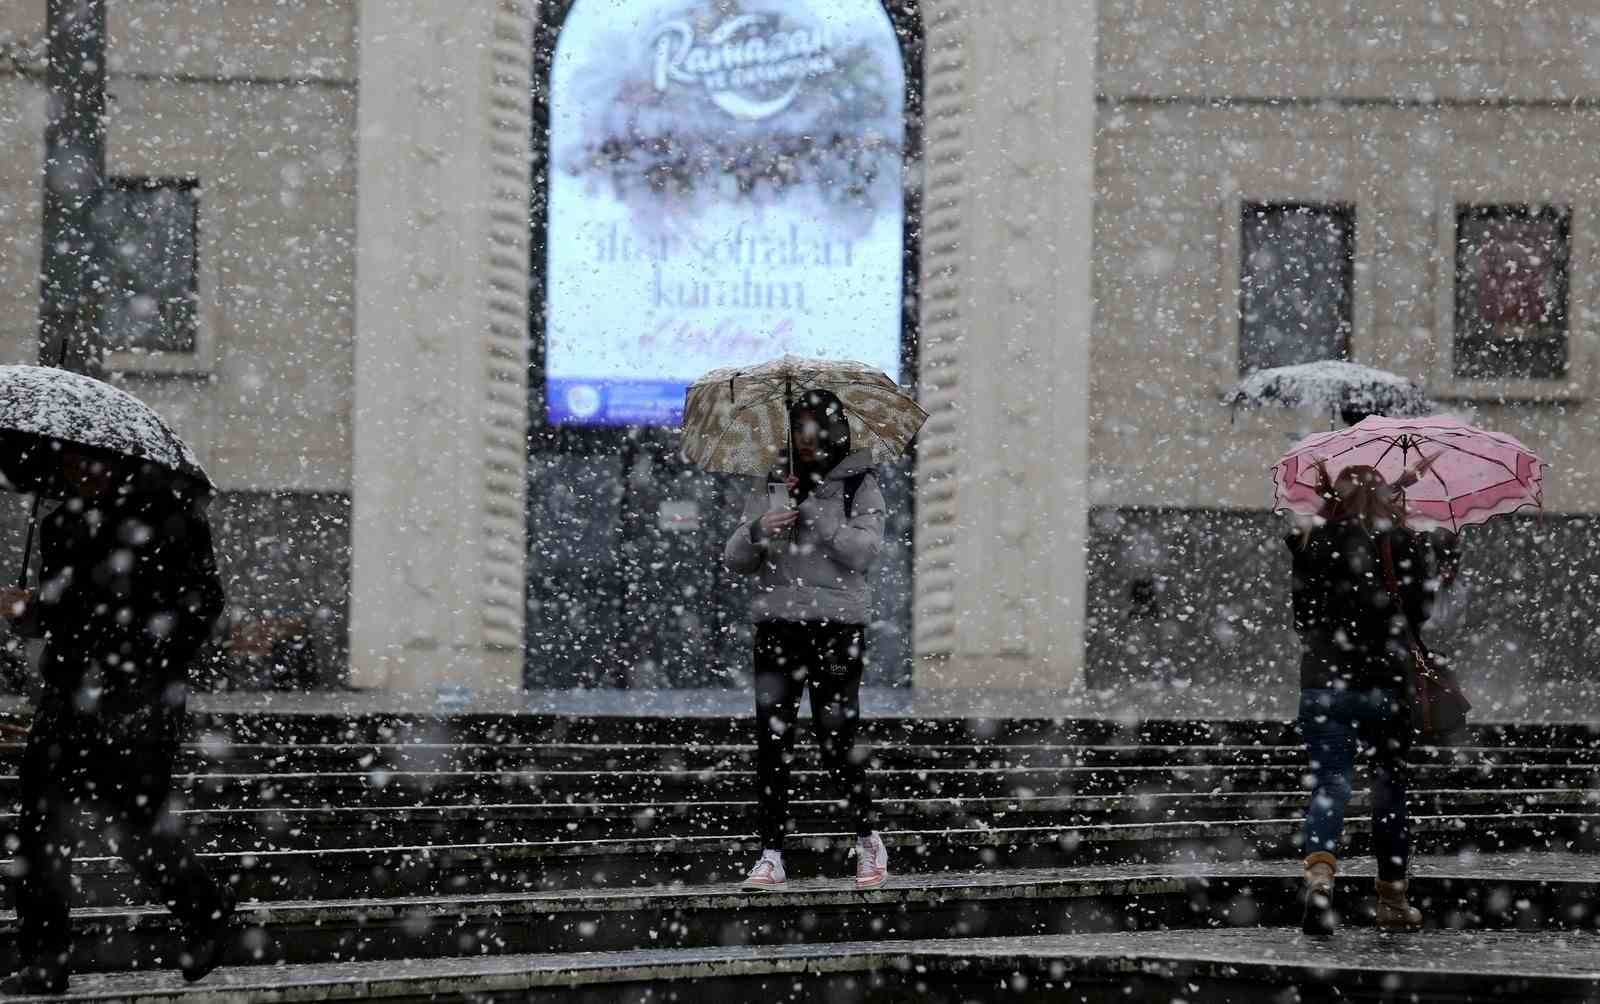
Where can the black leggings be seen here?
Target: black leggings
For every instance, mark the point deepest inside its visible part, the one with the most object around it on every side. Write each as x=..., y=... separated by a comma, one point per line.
x=72, y=760
x=789, y=656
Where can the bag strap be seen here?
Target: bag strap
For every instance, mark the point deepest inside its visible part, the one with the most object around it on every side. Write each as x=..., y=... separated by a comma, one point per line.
x=1391, y=582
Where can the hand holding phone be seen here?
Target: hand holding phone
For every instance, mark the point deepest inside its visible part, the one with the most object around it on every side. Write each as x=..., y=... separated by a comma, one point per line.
x=776, y=523
x=780, y=514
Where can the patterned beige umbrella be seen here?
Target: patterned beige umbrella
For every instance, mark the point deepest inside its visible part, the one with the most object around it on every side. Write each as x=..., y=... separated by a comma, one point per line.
x=736, y=420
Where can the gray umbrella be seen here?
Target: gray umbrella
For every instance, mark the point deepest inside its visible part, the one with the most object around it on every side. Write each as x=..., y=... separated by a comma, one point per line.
x=1333, y=387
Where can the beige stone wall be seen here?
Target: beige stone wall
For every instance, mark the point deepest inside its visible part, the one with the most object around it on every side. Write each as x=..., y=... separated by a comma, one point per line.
x=1172, y=175
x=22, y=113
x=441, y=392
x=1410, y=49
x=1006, y=325
x=256, y=100
x=267, y=41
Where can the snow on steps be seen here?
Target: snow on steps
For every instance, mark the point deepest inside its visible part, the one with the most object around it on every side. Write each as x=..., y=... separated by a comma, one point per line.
x=1237, y=965
x=1466, y=892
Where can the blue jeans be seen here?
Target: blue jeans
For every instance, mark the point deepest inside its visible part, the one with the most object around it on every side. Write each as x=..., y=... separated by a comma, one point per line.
x=1333, y=722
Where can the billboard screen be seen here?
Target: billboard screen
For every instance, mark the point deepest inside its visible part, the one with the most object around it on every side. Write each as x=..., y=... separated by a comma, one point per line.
x=725, y=187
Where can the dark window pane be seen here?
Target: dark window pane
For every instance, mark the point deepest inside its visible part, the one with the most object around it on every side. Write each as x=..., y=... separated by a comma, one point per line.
x=1511, y=292
x=149, y=230
x=1295, y=284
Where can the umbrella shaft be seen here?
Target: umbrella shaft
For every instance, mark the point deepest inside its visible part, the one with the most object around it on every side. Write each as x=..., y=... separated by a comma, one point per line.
x=27, y=545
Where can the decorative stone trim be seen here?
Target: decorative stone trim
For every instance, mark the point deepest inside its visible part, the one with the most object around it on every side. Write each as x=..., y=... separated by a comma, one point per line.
x=946, y=108
x=506, y=350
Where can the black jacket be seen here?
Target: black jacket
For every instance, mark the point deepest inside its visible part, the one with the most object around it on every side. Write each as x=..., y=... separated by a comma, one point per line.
x=128, y=593
x=1350, y=631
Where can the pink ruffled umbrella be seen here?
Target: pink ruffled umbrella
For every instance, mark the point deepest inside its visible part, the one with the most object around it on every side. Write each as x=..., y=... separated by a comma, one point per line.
x=1477, y=474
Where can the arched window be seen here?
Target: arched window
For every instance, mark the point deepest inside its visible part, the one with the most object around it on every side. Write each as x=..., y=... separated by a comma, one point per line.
x=724, y=182
x=717, y=182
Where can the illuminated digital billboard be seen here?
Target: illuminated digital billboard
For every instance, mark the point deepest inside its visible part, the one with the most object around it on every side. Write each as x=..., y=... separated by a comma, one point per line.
x=726, y=185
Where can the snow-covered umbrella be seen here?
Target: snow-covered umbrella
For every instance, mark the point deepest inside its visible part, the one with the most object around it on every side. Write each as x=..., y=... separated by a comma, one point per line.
x=43, y=408
x=1472, y=474
x=736, y=420
x=1333, y=387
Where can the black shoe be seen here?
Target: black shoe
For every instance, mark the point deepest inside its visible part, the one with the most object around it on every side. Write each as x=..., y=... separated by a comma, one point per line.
x=204, y=948
x=1319, y=920
x=203, y=953
x=36, y=980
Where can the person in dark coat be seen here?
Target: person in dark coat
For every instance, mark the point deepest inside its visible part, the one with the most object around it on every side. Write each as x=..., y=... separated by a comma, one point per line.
x=1354, y=676
x=811, y=558
x=128, y=593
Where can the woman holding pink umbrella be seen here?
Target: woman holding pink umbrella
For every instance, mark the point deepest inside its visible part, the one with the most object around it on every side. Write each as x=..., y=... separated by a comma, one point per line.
x=1353, y=667
x=1364, y=582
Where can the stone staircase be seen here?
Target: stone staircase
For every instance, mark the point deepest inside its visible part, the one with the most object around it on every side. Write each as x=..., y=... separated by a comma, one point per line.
x=597, y=858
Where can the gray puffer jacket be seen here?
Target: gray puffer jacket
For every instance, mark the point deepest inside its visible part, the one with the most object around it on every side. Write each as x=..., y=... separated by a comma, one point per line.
x=818, y=571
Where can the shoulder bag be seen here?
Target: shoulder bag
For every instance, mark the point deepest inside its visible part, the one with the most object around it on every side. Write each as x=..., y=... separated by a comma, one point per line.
x=1438, y=706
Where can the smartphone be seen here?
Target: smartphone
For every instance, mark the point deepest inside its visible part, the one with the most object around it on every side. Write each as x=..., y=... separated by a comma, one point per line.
x=777, y=496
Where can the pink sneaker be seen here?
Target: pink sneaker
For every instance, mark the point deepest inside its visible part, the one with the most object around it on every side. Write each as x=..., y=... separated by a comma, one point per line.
x=872, y=862
x=767, y=874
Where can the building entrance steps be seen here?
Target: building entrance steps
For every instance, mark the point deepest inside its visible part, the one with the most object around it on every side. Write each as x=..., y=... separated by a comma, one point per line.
x=428, y=845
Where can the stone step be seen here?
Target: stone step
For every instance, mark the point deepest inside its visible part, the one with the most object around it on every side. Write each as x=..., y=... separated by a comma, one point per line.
x=408, y=788
x=691, y=729
x=1202, y=967
x=1493, y=892
x=601, y=920
x=332, y=724
x=283, y=828
x=530, y=865
x=330, y=758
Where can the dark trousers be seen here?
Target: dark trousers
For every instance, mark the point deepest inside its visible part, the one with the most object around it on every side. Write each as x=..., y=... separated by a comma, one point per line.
x=1333, y=722
x=123, y=770
x=791, y=656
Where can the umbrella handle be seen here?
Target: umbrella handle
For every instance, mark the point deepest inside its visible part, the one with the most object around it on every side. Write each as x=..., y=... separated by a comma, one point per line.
x=27, y=545
x=33, y=516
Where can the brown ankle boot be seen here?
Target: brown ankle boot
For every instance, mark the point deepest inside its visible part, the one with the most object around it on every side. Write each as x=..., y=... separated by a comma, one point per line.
x=1394, y=913
x=1319, y=919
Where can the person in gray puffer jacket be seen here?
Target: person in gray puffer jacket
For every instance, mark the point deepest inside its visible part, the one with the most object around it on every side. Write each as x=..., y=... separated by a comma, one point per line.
x=811, y=606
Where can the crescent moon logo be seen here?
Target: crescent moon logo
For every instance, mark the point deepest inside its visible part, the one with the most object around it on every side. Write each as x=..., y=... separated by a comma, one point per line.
x=750, y=66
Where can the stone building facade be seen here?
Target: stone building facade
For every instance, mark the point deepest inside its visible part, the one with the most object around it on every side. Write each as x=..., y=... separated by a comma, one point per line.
x=257, y=104
x=1405, y=114
x=1086, y=514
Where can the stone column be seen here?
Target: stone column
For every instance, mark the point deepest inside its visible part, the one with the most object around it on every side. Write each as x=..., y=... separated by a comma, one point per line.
x=441, y=345
x=1007, y=311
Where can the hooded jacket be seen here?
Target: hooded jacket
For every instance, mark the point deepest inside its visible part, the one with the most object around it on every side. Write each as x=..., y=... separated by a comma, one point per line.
x=818, y=571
